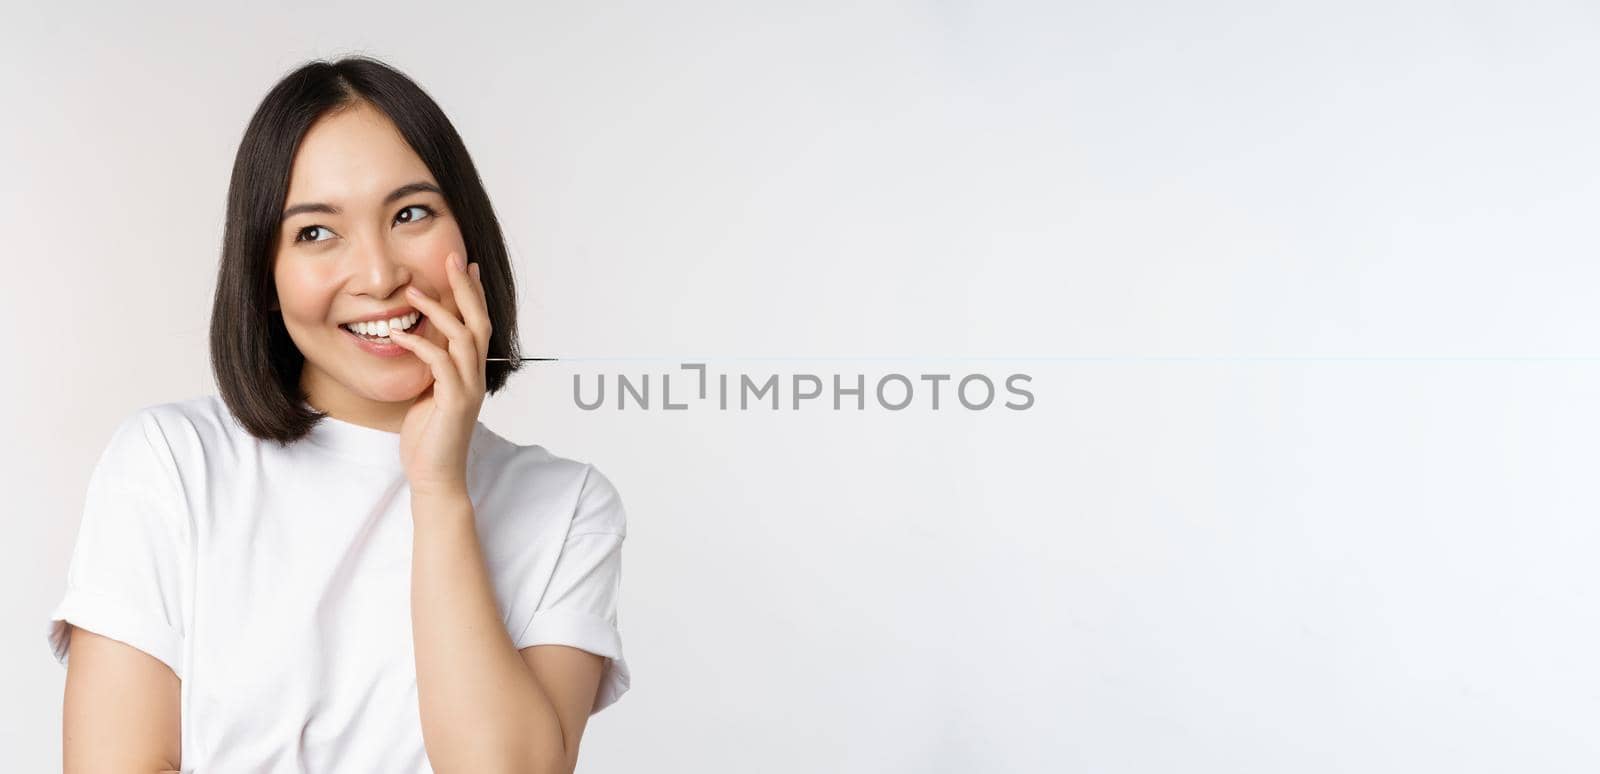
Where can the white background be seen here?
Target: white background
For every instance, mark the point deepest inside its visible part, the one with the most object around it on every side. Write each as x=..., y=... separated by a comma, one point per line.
x=1320, y=498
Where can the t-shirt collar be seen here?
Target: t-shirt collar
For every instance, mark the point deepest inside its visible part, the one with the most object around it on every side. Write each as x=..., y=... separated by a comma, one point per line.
x=366, y=444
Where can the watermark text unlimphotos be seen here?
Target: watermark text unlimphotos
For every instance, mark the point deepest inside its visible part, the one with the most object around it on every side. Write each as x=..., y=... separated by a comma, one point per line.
x=693, y=387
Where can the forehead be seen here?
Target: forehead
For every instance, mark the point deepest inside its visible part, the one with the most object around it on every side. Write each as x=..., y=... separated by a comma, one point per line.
x=351, y=158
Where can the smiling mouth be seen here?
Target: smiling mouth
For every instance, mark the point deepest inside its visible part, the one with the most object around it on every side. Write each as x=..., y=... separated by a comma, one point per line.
x=373, y=336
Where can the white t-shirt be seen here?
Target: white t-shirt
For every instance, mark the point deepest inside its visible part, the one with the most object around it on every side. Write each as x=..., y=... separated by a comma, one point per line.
x=275, y=581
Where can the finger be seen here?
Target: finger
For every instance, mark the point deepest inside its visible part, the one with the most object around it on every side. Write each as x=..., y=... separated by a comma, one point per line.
x=468, y=305
x=462, y=345
x=476, y=269
x=473, y=308
x=443, y=367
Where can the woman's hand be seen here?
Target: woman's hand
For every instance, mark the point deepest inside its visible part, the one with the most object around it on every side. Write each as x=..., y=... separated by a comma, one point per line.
x=437, y=430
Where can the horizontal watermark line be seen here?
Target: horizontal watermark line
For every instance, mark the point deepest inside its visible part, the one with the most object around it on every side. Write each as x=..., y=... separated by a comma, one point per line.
x=1083, y=358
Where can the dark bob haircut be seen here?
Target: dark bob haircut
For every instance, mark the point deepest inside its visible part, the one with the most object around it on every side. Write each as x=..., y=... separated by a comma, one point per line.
x=256, y=365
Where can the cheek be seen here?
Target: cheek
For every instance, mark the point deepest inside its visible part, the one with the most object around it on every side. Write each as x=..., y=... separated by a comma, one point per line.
x=304, y=297
x=433, y=278
x=433, y=249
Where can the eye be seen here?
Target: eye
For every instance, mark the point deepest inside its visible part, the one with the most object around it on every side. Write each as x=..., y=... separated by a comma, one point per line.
x=423, y=207
x=299, y=237
x=402, y=216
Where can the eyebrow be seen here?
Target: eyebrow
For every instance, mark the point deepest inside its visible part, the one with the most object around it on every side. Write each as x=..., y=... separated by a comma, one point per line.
x=398, y=193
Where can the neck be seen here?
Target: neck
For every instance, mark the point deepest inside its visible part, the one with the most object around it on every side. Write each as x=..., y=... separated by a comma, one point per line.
x=339, y=402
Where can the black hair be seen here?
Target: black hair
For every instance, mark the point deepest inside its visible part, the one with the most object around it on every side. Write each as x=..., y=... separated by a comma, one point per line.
x=256, y=365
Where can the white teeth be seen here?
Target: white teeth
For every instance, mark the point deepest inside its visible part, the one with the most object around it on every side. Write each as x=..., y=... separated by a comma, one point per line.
x=381, y=327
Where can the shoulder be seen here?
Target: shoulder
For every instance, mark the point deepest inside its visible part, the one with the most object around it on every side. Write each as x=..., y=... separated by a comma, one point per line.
x=185, y=431
x=599, y=506
x=578, y=485
x=201, y=413
x=149, y=465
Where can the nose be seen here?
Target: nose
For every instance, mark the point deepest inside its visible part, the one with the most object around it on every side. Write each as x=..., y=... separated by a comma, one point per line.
x=376, y=269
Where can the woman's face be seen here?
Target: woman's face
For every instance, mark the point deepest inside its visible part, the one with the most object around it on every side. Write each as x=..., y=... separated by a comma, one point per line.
x=353, y=259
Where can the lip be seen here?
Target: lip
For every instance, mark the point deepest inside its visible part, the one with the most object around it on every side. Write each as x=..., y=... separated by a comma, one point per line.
x=389, y=314
x=385, y=350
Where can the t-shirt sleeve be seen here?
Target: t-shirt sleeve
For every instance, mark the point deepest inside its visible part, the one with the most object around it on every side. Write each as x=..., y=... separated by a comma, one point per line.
x=579, y=605
x=124, y=578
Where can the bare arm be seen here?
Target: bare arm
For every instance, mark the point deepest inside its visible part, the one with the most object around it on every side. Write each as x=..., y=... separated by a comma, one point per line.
x=485, y=706
x=120, y=711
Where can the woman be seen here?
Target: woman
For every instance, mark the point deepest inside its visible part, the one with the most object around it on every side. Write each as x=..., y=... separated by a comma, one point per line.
x=332, y=565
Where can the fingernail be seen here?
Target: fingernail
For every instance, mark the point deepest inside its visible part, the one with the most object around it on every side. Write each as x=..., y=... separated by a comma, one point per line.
x=474, y=270
x=413, y=291
x=460, y=263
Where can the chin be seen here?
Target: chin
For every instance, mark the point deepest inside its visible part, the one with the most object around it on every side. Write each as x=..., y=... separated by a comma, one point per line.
x=396, y=388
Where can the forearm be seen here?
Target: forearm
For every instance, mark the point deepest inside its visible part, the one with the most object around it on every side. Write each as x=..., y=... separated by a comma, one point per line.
x=482, y=709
